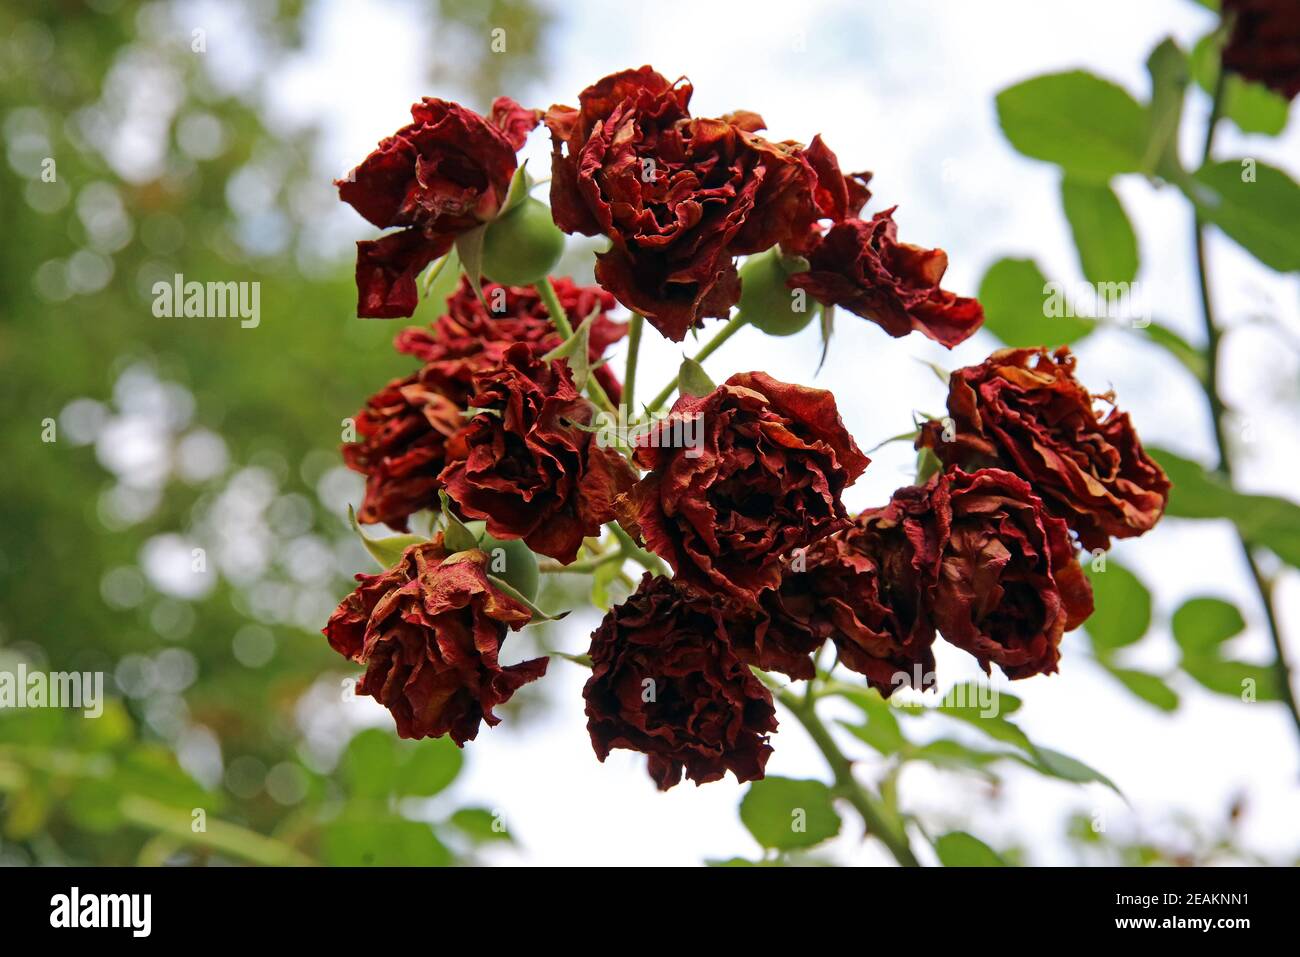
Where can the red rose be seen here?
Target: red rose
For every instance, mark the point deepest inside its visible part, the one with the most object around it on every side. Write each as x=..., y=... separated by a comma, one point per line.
x=680, y=197
x=526, y=465
x=401, y=446
x=445, y=173
x=403, y=430
x=1265, y=43
x=516, y=314
x=866, y=588
x=429, y=631
x=861, y=266
x=740, y=478
x=664, y=682
x=1008, y=584
x=1023, y=410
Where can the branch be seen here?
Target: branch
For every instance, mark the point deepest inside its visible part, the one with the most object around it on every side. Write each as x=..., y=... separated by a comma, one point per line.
x=846, y=785
x=726, y=332
x=1219, y=414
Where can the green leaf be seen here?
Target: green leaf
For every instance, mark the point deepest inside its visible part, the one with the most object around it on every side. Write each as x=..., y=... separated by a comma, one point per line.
x=960, y=849
x=514, y=561
x=1253, y=107
x=946, y=753
x=584, y=659
x=428, y=767
x=826, y=324
x=1202, y=624
x=95, y=805
x=1058, y=765
x=576, y=351
x=1104, y=237
x=1235, y=679
x=784, y=813
x=1167, y=66
x=881, y=732
x=513, y=592
x=1192, y=358
x=520, y=184
x=1256, y=204
x=1090, y=127
x=742, y=862
x=152, y=771
x=480, y=825
x=1122, y=612
x=927, y=465
x=361, y=838
x=442, y=280
x=469, y=247
x=369, y=764
x=972, y=696
x=1265, y=520
x=457, y=537
x=1150, y=688
x=997, y=728
x=1014, y=294
x=692, y=379
x=387, y=552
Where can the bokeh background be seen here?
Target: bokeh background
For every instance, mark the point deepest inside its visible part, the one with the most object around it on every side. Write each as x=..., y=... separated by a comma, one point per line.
x=202, y=138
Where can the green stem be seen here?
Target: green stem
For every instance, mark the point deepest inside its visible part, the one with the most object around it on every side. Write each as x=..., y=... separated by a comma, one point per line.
x=565, y=329
x=219, y=836
x=580, y=568
x=865, y=803
x=1219, y=415
x=651, y=563
x=629, y=376
x=733, y=326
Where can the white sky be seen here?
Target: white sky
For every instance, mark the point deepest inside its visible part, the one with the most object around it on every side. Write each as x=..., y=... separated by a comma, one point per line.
x=906, y=89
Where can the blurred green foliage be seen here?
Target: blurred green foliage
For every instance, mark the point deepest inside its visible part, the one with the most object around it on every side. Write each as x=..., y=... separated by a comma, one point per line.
x=130, y=158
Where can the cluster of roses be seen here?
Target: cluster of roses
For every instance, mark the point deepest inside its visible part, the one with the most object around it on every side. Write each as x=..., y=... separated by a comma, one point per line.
x=767, y=566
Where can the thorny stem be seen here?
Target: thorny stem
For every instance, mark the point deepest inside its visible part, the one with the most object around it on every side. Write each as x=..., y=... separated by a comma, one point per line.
x=1219, y=415
x=733, y=326
x=846, y=785
x=565, y=328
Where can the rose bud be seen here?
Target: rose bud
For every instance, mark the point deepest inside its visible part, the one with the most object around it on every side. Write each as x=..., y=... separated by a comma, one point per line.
x=1024, y=411
x=680, y=197
x=528, y=463
x=665, y=682
x=861, y=266
x=1008, y=583
x=523, y=245
x=435, y=178
x=865, y=588
x=766, y=302
x=740, y=478
x=1265, y=43
x=429, y=632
